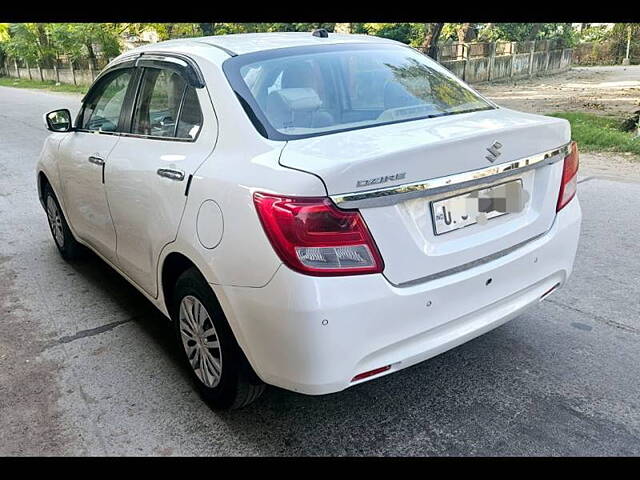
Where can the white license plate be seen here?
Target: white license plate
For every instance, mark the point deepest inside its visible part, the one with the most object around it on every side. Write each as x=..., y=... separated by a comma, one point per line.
x=477, y=206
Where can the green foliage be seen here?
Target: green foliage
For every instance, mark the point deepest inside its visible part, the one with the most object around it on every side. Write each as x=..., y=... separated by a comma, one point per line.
x=602, y=45
x=598, y=33
x=521, y=32
x=598, y=133
x=23, y=42
x=42, y=42
x=409, y=33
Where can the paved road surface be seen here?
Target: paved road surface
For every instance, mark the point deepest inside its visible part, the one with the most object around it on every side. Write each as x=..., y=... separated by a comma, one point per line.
x=88, y=367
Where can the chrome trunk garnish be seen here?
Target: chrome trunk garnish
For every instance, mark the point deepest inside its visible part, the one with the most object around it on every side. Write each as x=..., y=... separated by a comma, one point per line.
x=381, y=197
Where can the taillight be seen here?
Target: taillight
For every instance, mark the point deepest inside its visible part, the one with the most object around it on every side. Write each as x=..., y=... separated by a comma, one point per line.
x=311, y=235
x=569, y=183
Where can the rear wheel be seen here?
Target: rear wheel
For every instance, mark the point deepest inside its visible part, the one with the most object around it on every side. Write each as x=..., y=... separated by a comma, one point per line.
x=218, y=366
x=67, y=245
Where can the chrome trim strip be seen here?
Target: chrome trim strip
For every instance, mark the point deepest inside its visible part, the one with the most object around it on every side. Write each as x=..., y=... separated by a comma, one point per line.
x=391, y=195
x=470, y=265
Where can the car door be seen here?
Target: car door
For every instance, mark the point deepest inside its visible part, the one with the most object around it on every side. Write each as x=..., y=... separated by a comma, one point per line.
x=171, y=132
x=82, y=157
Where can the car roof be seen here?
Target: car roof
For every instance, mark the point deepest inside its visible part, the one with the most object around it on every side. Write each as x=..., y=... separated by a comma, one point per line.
x=241, y=43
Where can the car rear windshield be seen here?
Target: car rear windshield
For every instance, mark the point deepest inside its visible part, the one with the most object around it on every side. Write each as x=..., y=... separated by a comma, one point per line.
x=307, y=91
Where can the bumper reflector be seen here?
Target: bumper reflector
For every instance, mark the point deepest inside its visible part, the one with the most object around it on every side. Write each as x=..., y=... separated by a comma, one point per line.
x=370, y=373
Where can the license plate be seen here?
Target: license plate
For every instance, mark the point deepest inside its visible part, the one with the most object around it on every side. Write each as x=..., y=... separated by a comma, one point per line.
x=478, y=206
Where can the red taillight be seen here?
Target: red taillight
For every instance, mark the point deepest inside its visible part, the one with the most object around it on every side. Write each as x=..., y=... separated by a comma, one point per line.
x=312, y=236
x=569, y=183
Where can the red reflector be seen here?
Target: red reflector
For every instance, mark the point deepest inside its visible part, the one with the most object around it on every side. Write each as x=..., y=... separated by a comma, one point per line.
x=313, y=236
x=569, y=182
x=370, y=373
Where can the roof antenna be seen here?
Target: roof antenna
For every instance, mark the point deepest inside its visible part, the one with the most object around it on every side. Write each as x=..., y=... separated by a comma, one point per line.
x=320, y=32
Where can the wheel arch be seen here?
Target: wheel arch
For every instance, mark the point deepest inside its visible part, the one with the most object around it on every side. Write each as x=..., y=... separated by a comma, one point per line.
x=172, y=266
x=43, y=182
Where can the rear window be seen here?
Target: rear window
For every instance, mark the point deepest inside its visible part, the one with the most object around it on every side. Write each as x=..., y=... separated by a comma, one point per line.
x=307, y=91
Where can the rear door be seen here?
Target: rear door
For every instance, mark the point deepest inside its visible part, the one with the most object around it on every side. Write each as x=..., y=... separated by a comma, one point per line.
x=172, y=130
x=82, y=158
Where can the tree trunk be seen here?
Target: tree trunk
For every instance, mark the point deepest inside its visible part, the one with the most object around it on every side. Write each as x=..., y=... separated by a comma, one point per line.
x=534, y=31
x=43, y=40
x=207, y=29
x=429, y=45
x=466, y=33
x=92, y=54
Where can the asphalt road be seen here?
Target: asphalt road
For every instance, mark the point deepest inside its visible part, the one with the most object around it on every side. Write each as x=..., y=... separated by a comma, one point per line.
x=88, y=367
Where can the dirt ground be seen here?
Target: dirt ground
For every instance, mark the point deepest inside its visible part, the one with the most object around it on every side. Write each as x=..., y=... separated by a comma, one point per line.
x=611, y=90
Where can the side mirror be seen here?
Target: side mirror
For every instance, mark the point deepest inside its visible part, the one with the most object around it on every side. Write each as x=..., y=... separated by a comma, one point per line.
x=58, y=120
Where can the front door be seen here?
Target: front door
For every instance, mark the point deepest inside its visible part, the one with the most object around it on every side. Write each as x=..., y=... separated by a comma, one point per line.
x=82, y=160
x=148, y=170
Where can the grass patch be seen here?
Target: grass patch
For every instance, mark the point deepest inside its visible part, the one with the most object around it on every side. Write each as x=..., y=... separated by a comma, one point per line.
x=47, y=85
x=595, y=133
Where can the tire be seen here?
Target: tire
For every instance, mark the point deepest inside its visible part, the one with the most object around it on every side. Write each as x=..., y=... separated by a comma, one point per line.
x=222, y=374
x=67, y=245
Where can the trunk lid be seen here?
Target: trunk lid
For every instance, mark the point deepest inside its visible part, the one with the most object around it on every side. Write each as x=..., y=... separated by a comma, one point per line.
x=401, y=153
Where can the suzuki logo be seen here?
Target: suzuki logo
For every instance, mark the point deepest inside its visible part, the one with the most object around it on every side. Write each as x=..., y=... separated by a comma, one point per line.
x=494, y=151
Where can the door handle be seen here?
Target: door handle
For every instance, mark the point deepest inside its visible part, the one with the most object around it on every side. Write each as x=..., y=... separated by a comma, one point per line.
x=171, y=174
x=96, y=160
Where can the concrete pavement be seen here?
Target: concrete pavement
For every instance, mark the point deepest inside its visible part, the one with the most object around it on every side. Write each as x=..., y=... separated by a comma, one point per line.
x=88, y=367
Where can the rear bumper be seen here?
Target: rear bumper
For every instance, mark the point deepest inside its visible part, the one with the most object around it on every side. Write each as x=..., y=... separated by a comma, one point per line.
x=313, y=335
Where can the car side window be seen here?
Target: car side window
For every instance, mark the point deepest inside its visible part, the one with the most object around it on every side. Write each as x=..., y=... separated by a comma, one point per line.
x=166, y=106
x=158, y=103
x=102, y=109
x=190, y=120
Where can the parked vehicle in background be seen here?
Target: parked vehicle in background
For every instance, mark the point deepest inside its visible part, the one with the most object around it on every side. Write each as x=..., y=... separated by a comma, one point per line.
x=312, y=211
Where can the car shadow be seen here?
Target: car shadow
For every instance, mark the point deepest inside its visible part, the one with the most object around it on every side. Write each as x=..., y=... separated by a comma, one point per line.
x=418, y=411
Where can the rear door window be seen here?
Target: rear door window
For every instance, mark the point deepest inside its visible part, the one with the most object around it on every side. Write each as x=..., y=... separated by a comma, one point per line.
x=158, y=106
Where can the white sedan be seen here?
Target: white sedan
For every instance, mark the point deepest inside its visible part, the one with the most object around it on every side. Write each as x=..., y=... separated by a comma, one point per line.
x=311, y=210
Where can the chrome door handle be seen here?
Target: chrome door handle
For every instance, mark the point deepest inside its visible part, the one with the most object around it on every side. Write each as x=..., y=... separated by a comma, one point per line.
x=96, y=160
x=171, y=174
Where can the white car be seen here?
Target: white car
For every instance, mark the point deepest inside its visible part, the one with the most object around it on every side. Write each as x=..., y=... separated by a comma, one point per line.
x=311, y=210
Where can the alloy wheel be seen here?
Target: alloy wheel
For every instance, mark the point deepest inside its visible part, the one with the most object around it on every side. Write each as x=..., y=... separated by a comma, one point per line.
x=55, y=221
x=200, y=341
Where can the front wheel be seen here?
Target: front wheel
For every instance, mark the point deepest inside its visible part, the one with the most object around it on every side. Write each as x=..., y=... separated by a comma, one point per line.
x=219, y=368
x=67, y=245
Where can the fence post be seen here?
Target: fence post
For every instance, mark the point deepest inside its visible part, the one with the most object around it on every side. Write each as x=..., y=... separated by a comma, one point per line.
x=531, y=52
x=547, y=54
x=15, y=63
x=492, y=59
x=73, y=73
x=513, y=59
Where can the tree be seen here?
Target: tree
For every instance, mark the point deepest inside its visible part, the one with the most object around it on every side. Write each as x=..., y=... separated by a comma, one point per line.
x=521, y=32
x=432, y=35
